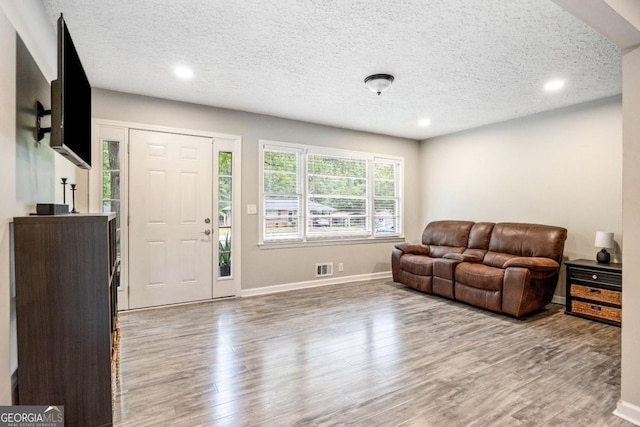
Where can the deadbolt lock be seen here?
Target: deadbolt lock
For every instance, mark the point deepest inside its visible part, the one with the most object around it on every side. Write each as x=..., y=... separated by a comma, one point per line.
x=207, y=220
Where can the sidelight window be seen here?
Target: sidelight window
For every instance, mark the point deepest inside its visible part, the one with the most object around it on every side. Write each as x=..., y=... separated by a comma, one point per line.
x=111, y=194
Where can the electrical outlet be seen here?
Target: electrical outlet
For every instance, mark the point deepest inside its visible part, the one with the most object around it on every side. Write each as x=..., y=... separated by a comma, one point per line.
x=341, y=266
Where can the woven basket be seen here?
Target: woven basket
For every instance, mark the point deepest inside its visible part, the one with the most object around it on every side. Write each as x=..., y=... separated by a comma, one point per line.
x=596, y=310
x=596, y=294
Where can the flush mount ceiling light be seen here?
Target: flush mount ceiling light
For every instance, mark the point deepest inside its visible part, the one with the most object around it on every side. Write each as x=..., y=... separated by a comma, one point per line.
x=183, y=72
x=424, y=122
x=553, y=85
x=378, y=83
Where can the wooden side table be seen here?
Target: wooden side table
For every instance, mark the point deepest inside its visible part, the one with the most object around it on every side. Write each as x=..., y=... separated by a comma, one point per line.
x=594, y=291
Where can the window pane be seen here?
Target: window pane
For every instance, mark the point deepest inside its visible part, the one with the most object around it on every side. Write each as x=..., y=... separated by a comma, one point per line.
x=385, y=187
x=280, y=172
x=386, y=207
x=224, y=163
x=386, y=216
x=224, y=188
x=337, y=195
x=111, y=185
x=387, y=225
x=338, y=215
x=385, y=179
x=224, y=252
x=225, y=195
x=337, y=166
x=330, y=175
x=224, y=214
x=282, y=217
x=345, y=186
x=110, y=155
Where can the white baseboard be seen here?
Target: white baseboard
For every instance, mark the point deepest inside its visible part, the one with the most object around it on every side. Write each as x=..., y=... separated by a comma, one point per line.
x=628, y=411
x=559, y=300
x=314, y=283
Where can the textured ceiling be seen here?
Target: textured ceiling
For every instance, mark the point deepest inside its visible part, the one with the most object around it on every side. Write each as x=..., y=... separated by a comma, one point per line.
x=461, y=63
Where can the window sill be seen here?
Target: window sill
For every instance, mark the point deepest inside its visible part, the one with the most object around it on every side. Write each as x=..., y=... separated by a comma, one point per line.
x=329, y=242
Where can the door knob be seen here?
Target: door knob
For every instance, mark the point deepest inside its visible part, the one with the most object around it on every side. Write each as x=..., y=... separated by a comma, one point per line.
x=207, y=220
x=207, y=232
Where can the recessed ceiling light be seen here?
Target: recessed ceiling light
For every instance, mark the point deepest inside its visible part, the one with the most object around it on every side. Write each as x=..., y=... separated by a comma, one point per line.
x=553, y=85
x=424, y=122
x=183, y=72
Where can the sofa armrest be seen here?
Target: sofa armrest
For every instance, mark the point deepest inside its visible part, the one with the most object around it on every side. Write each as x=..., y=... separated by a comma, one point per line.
x=463, y=257
x=539, y=264
x=409, y=248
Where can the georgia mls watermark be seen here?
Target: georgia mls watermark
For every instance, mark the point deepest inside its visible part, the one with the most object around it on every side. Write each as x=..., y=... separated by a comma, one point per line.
x=31, y=416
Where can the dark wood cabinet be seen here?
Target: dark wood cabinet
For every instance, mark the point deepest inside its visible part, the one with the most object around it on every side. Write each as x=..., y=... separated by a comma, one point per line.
x=594, y=291
x=66, y=306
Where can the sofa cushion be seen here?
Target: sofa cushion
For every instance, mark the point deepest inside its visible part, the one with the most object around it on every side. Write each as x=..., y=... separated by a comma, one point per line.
x=441, y=251
x=480, y=235
x=417, y=264
x=533, y=263
x=447, y=233
x=411, y=248
x=491, y=300
x=421, y=283
x=463, y=257
x=479, y=276
x=497, y=259
x=528, y=240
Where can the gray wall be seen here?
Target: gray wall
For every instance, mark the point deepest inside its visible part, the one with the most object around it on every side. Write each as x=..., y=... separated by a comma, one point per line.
x=261, y=267
x=562, y=167
x=35, y=171
x=8, y=203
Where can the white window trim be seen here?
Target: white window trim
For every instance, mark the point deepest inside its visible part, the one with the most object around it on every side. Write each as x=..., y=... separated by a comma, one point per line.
x=306, y=240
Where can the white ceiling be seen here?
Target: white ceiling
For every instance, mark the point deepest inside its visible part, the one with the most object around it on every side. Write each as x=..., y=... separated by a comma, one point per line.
x=461, y=63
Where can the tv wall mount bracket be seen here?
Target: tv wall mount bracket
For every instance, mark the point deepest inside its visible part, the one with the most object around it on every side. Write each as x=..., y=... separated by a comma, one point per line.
x=40, y=113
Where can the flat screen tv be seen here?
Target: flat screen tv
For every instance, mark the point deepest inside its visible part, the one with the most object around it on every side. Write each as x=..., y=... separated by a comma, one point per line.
x=70, y=104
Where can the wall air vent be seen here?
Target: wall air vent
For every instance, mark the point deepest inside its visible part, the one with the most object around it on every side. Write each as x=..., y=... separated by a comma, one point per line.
x=324, y=269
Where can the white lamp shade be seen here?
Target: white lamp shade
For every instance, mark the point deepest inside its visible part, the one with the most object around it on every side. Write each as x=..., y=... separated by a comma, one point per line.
x=604, y=240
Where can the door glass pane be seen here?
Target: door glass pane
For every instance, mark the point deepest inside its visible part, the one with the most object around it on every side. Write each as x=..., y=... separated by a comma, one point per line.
x=225, y=195
x=224, y=188
x=225, y=164
x=224, y=252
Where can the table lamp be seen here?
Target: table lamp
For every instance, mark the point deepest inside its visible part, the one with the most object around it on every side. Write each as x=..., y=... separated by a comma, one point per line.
x=604, y=240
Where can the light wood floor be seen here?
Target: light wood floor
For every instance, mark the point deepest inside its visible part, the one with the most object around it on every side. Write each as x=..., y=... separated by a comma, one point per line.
x=365, y=354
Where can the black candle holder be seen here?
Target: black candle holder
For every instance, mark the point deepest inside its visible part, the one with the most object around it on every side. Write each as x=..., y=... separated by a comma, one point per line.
x=64, y=190
x=73, y=197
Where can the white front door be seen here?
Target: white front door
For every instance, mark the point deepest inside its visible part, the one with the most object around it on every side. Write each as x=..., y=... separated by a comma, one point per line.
x=171, y=229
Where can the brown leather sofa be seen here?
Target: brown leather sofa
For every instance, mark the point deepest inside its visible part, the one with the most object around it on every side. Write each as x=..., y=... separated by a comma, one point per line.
x=508, y=268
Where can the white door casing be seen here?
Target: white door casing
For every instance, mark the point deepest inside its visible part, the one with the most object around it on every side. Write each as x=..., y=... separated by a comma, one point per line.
x=170, y=199
x=114, y=130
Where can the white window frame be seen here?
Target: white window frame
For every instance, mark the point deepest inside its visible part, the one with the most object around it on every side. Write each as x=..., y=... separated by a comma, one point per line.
x=304, y=238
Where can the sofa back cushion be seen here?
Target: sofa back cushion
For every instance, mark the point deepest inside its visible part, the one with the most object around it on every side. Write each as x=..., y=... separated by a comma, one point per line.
x=479, y=238
x=445, y=237
x=509, y=240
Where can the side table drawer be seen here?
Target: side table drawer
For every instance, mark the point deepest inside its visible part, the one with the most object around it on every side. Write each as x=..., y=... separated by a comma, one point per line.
x=596, y=310
x=596, y=294
x=604, y=277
